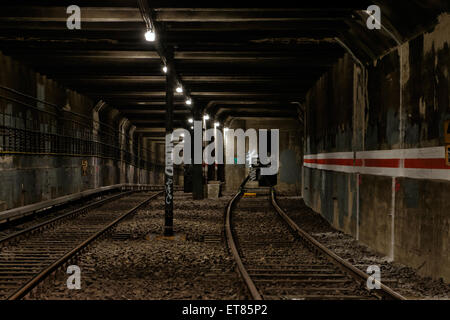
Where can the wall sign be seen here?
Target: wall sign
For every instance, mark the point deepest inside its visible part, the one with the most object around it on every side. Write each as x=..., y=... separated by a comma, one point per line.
x=84, y=167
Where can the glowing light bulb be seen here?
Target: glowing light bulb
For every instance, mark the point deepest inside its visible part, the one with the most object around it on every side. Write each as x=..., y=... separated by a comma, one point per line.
x=216, y=124
x=179, y=89
x=189, y=102
x=190, y=120
x=206, y=117
x=165, y=69
x=150, y=36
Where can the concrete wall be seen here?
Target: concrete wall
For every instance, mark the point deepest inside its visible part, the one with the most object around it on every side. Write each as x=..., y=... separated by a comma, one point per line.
x=329, y=127
x=29, y=178
x=399, y=102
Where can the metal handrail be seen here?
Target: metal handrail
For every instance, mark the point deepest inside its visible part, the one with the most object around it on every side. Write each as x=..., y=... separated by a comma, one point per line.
x=111, y=132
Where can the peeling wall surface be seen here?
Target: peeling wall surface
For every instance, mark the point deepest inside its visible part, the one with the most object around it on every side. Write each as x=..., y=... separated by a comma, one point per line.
x=374, y=148
x=28, y=177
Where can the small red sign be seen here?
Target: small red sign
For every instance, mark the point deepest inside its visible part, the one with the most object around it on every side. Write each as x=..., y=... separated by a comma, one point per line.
x=397, y=186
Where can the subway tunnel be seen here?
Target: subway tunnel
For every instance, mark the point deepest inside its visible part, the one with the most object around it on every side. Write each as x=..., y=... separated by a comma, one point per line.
x=150, y=150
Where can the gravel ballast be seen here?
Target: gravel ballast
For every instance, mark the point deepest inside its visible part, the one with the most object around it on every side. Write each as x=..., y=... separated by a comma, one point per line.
x=136, y=263
x=401, y=278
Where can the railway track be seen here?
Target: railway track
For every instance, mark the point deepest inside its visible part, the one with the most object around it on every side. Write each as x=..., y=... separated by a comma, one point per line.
x=278, y=260
x=29, y=256
x=14, y=228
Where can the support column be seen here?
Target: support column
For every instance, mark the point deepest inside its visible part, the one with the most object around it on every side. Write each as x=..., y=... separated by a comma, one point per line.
x=197, y=172
x=168, y=172
x=139, y=157
x=187, y=181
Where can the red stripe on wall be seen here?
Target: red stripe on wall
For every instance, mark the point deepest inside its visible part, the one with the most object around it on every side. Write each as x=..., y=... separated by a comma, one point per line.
x=426, y=163
x=385, y=163
x=435, y=163
x=382, y=163
x=335, y=162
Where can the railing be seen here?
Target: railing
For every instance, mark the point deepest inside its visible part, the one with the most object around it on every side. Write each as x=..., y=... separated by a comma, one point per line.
x=33, y=126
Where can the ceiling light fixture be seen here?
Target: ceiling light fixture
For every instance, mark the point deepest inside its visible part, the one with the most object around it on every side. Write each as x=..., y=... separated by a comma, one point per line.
x=150, y=36
x=165, y=69
x=189, y=101
x=179, y=89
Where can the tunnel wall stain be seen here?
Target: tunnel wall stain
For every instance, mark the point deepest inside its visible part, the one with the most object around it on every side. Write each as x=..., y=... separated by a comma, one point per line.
x=329, y=128
x=407, y=104
x=26, y=179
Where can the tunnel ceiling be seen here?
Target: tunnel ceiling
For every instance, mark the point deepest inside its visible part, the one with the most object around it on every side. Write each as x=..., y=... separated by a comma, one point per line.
x=240, y=62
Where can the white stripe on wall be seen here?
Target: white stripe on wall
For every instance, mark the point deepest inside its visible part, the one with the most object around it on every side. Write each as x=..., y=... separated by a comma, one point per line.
x=402, y=154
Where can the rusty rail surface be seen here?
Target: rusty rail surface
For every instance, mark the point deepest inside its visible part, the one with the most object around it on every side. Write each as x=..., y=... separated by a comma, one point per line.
x=44, y=205
x=344, y=265
x=50, y=222
x=360, y=277
x=233, y=247
x=42, y=275
x=234, y=251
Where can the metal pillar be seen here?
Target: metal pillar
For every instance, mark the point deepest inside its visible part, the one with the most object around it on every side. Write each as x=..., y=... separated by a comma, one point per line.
x=188, y=169
x=168, y=172
x=139, y=156
x=197, y=172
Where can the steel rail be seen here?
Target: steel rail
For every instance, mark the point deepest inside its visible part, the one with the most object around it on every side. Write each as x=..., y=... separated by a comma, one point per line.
x=41, y=276
x=69, y=214
x=344, y=265
x=233, y=247
x=43, y=205
x=234, y=251
x=30, y=209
